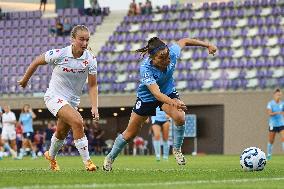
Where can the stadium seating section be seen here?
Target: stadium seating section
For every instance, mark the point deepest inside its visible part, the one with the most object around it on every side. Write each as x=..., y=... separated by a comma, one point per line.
x=24, y=35
x=249, y=35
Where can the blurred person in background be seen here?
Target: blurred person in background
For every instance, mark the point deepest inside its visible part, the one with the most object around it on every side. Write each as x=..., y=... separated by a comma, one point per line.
x=26, y=119
x=1, y=143
x=67, y=27
x=161, y=124
x=98, y=141
x=38, y=142
x=275, y=110
x=9, y=131
x=42, y=3
x=19, y=138
x=47, y=135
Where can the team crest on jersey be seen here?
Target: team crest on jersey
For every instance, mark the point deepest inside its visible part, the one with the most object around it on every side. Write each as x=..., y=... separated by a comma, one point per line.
x=85, y=63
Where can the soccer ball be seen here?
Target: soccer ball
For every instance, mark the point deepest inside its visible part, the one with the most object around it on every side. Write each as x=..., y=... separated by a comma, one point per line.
x=253, y=159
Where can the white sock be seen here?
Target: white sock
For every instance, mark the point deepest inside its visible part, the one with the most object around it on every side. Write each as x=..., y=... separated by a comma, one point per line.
x=82, y=146
x=13, y=153
x=55, y=146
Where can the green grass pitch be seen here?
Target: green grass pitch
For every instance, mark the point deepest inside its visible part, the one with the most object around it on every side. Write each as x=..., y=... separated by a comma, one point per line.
x=211, y=171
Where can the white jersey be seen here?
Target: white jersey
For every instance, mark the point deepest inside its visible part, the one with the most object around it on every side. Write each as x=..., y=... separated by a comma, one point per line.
x=8, y=117
x=69, y=74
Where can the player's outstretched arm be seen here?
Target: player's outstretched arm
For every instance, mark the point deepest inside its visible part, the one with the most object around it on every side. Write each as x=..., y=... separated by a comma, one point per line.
x=93, y=92
x=31, y=69
x=195, y=42
x=155, y=90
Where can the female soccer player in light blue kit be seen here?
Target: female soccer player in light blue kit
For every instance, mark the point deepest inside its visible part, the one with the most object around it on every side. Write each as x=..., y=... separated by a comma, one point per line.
x=26, y=118
x=157, y=89
x=275, y=110
x=161, y=123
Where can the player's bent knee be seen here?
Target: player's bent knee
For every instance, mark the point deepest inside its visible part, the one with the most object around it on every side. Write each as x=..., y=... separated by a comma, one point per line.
x=180, y=120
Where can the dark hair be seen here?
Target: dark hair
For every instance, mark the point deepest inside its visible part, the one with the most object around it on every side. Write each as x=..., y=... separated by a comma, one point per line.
x=78, y=27
x=277, y=90
x=154, y=45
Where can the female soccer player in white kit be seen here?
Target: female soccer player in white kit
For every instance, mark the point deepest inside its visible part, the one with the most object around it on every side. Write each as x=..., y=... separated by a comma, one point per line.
x=71, y=67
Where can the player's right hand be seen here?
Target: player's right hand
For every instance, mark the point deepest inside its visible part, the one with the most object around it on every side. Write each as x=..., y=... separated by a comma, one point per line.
x=22, y=83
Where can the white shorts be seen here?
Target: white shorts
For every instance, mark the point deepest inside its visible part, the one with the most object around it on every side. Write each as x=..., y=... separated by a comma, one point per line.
x=8, y=134
x=54, y=103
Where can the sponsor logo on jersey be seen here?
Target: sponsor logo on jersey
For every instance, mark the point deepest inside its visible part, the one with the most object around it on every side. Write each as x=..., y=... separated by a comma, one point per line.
x=72, y=70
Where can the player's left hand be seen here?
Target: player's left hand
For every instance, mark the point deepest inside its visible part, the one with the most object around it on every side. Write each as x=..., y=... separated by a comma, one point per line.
x=182, y=106
x=95, y=114
x=212, y=49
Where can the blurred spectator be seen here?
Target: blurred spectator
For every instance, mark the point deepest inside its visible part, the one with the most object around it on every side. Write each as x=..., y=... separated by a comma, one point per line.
x=57, y=29
x=47, y=135
x=38, y=141
x=98, y=142
x=26, y=119
x=132, y=9
x=138, y=143
x=42, y=2
x=67, y=27
x=1, y=143
x=96, y=9
x=19, y=136
x=148, y=7
x=1, y=14
x=140, y=9
x=9, y=131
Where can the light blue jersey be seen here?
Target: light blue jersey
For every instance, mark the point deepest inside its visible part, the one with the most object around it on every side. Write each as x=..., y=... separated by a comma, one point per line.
x=27, y=121
x=160, y=116
x=149, y=74
x=278, y=119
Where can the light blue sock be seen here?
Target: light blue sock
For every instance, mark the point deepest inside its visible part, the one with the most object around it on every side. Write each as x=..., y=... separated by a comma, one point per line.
x=178, y=136
x=269, y=149
x=22, y=153
x=118, y=145
x=166, y=149
x=33, y=154
x=283, y=146
x=7, y=147
x=157, y=148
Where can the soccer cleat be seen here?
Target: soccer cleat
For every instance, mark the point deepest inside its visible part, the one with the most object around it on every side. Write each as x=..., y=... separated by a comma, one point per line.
x=52, y=162
x=107, y=164
x=269, y=157
x=90, y=166
x=179, y=156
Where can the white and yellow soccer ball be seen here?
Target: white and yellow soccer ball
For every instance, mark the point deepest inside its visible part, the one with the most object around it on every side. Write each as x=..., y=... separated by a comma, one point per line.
x=253, y=159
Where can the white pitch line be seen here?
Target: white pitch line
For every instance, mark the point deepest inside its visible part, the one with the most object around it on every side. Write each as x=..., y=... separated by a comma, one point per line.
x=132, y=185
